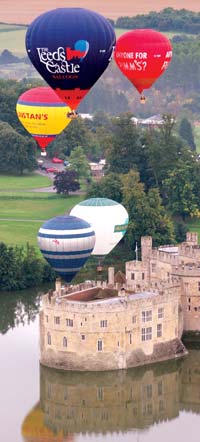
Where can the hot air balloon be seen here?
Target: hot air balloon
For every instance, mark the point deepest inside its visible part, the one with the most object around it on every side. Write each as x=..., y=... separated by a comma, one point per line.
x=70, y=48
x=66, y=242
x=109, y=220
x=43, y=114
x=143, y=55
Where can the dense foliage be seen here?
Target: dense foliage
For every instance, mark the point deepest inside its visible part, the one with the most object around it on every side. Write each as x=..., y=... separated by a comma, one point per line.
x=21, y=268
x=168, y=19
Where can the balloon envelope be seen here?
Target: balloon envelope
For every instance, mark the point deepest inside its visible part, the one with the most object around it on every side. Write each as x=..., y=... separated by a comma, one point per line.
x=109, y=220
x=143, y=55
x=66, y=242
x=43, y=114
x=70, y=48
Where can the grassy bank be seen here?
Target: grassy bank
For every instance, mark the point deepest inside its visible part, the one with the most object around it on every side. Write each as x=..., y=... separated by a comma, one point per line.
x=23, y=211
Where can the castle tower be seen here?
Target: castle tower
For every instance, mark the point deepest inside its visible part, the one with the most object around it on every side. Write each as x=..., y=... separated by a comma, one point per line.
x=146, y=250
x=146, y=247
x=192, y=238
x=58, y=285
x=111, y=274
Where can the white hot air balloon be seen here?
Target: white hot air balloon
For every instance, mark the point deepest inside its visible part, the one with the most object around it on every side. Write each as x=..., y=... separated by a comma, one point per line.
x=109, y=220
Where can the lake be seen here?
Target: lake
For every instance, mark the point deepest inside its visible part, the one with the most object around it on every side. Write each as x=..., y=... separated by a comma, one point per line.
x=155, y=403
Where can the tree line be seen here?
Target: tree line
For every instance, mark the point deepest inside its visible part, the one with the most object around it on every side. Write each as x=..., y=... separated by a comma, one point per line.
x=21, y=268
x=168, y=19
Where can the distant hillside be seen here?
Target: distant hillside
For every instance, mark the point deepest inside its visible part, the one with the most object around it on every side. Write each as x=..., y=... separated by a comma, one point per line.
x=24, y=12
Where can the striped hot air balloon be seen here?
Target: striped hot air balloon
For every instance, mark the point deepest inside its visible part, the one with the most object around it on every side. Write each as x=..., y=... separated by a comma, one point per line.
x=66, y=242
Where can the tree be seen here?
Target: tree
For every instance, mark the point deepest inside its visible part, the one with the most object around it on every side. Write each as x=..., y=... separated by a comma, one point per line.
x=79, y=163
x=18, y=153
x=66, y=181
x=185, y=131
x=125, y=152
x=180, y=190
x=146, y=213
x=110, y=186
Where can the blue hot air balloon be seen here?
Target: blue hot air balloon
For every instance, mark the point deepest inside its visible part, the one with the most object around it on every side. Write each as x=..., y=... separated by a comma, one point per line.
x=66, y=242
x=70, y=48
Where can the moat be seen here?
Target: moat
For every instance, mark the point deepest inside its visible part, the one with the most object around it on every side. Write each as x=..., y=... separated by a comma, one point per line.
x=151, y=403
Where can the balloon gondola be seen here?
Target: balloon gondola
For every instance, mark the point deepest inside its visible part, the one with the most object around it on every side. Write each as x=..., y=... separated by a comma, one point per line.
x=143, y=55
x=66, y=242
x=70, y=48
x=43, y=114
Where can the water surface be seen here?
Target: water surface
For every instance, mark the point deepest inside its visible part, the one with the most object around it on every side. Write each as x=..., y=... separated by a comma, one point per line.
x=157, y=403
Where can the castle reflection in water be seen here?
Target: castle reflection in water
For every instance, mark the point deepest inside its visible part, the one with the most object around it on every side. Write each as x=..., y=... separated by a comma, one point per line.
x=112, y=401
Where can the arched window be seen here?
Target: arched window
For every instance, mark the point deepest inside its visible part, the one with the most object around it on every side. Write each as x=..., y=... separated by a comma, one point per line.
x=64, y=341
x=48, y=338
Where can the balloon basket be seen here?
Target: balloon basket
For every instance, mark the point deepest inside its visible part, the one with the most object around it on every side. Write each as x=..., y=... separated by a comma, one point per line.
x=43, y=153
x=72, y=115
x=142, y=99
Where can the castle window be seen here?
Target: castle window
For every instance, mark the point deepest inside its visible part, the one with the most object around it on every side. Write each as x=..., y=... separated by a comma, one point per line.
x=134, y=319
x=100, y=393
x=161, y=406
x=161, y=313
x=133, y=276
x=147, y=391
x=189, y=300
x=147, y=316
x=69, y=322
x=48, y=338
x=189, y=307
x=143, y=276
x=160, y=388
x=130, y=338
x=147, y=334
x=104, y=323
x=47, y=318
x=159, y=330
x=57, y=320
x=64, y=341
x=195, y=309
x=199, y=286
x=83, y=337
x=99, y=345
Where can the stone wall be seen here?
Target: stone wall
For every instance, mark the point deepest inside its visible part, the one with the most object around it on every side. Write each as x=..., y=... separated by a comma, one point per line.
x=71, y=331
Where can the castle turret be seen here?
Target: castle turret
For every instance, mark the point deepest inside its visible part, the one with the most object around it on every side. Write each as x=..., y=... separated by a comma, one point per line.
x=146, y=251
x=146, y=247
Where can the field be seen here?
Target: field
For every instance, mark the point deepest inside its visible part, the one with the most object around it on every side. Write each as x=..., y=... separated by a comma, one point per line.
x=13, y=38
x=23, y=12
x=22, y=212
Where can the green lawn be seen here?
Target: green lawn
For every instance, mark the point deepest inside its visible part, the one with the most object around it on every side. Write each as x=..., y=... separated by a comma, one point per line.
x=27, y=182
x=22, y=212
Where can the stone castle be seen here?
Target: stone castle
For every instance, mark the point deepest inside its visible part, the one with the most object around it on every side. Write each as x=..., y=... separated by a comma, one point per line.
x=129, y=320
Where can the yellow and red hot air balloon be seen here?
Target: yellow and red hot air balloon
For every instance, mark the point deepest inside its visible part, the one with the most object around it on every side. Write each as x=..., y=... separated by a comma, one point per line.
x=43, y=114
